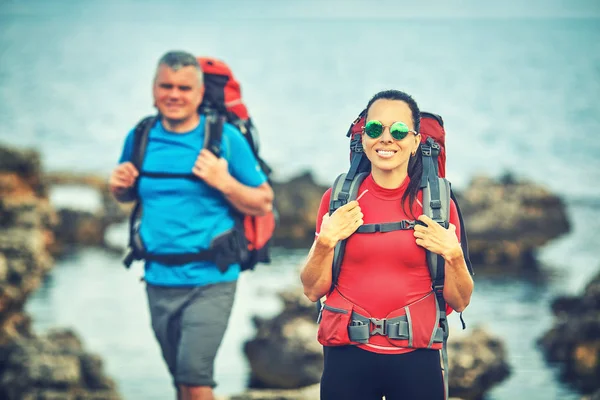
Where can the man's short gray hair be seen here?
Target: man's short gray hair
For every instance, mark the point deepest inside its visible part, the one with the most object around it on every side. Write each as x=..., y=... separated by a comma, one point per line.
x=179, y=59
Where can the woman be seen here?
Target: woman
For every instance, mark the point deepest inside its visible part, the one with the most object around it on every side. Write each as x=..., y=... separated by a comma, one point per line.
x=384, y=275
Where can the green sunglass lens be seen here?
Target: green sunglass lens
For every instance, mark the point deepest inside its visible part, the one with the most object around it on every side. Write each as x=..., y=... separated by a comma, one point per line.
x=373, y=129
x=399, y=130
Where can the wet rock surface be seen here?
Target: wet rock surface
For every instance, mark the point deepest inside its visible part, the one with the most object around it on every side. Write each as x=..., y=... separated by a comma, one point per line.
x=507, y=220
x=573, y=342
x=55, y=365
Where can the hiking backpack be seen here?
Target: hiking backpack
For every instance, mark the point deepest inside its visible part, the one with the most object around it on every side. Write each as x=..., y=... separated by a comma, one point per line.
x=436, y=204
x=248, y=243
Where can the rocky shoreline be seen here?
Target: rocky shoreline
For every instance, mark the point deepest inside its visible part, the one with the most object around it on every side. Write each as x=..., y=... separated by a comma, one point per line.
x=55, y=365
x=573, y=342
x=507, y=221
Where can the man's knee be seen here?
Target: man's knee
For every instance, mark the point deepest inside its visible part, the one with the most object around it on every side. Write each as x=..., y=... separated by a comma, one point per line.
x=195, y=392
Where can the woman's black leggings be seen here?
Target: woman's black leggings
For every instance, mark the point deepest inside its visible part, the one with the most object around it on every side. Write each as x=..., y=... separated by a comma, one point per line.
x=351, y=373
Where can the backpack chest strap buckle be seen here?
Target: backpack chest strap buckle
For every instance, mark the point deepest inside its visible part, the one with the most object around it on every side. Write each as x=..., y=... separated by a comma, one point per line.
x=379, y=326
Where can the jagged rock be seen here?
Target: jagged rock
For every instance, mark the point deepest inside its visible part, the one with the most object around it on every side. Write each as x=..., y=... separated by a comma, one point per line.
x=25, y=262
x=508, y=220
x=297, y=202
x=20, y=173
x=574, y=339
x=476, y=363
x=54, y=366
x=285, y=353
x=78, y=227
x=31, y=368
x=24, y=242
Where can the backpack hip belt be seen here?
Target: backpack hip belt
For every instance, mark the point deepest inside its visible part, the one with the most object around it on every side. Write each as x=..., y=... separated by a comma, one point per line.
x=225, y=249
x=415, y=325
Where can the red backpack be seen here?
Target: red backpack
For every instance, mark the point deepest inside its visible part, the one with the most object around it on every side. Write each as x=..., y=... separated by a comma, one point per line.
x=248, y=243
x=436, y=203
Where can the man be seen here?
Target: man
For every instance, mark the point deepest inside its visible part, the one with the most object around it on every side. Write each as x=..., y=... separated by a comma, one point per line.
x=190, y=303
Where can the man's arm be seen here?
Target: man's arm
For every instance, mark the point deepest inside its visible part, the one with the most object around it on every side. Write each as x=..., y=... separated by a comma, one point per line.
x=246, y=199
x=122, y=180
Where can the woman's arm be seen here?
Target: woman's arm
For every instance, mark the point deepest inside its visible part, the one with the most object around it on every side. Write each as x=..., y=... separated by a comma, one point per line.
x=316, y=271
x=458, y=284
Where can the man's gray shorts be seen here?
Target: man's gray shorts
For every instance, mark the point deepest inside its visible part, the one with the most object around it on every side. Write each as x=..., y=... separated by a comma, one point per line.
x=189, y=323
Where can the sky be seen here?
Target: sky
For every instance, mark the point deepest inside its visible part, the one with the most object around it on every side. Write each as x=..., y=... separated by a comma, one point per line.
x=335, y=9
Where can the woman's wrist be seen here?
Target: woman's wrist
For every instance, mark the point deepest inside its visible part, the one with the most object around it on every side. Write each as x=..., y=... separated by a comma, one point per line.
x=326, y=242
x=452, y=254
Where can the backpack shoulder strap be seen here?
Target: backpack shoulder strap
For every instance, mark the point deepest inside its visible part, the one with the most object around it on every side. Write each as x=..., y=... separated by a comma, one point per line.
x=436, y=205
x=430, y=151
x=339, y=187
x=213, y=132
x=140, y=140
x=464, y=241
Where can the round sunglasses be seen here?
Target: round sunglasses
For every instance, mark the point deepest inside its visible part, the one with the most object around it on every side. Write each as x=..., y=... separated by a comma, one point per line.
x=398, y=130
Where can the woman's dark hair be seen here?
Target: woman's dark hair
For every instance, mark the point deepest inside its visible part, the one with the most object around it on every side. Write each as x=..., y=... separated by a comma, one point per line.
x=415, y=163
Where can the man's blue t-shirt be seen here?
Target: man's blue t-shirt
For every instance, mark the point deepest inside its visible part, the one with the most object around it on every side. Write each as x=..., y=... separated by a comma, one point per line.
x=182, y=215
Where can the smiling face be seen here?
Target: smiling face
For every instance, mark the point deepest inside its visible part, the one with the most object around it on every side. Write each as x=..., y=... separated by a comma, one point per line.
x=177, y=95
x=389, y=157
